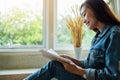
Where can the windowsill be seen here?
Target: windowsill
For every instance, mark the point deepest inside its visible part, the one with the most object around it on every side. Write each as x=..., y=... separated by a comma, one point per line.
x=19, y=50
x=22, y=60
x=84, y=48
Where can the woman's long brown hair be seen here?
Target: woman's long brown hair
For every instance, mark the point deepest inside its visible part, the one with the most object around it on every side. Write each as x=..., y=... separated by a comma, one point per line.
x=102, y=11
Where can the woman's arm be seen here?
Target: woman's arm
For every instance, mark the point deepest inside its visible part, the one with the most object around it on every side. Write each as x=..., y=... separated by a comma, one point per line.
x=112, y=58
x=111, y=70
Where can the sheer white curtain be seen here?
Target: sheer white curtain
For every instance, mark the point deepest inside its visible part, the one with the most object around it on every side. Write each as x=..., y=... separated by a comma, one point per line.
x=115, y=6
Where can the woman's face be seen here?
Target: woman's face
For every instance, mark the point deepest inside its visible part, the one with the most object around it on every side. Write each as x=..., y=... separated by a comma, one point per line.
x=89, y=18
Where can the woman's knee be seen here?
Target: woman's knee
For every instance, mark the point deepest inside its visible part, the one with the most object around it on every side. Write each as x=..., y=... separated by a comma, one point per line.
x=55, y=64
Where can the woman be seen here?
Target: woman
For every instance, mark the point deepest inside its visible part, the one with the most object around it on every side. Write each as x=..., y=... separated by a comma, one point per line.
x=103, y=60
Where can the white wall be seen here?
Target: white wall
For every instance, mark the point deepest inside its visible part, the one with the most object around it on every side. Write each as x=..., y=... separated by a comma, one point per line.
x=14, y=60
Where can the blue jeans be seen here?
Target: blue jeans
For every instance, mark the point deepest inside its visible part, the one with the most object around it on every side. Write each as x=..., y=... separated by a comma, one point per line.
x=53, y=69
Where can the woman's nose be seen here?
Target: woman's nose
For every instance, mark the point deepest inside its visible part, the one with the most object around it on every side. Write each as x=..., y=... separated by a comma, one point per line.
x=84, y=20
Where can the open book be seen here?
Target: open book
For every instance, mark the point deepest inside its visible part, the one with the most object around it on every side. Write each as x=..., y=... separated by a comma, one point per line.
x=51, y=54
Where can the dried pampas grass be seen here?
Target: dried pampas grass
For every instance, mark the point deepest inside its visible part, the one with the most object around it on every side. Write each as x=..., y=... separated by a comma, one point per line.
x=75, y=25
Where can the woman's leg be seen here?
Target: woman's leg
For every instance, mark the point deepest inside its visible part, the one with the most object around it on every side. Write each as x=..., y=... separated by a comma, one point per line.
x=53, y=69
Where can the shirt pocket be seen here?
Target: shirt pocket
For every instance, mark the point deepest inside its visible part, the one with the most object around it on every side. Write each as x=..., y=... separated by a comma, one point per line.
x=97, y=58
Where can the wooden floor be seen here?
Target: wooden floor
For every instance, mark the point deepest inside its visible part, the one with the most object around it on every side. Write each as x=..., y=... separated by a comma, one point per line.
x=16, y=74
x=13, y=77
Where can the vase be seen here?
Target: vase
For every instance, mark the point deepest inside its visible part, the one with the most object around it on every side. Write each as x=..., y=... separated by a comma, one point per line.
x=78, y=51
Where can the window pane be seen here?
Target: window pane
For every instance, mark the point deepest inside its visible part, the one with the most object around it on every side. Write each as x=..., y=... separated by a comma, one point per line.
x=63, y=34
x=21, y=22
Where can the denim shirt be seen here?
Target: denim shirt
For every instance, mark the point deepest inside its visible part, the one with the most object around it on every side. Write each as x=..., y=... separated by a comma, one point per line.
x=103, y=60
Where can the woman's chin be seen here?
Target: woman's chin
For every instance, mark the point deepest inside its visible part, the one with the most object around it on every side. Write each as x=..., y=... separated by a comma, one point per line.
x=91, y=28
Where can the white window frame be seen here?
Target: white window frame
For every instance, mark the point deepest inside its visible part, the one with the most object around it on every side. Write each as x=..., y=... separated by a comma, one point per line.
x=49, y=31
x=45, y=35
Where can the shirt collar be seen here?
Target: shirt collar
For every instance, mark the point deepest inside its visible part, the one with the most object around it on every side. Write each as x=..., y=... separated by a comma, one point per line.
x=104, y=31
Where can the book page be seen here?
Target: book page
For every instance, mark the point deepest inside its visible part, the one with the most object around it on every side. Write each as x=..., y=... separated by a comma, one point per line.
x=51, y=54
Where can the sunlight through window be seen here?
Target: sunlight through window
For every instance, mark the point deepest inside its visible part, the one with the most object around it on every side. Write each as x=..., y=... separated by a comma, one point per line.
x=21, y=23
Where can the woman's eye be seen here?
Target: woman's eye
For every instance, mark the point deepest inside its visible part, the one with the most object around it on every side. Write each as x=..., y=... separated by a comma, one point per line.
x=84, y=14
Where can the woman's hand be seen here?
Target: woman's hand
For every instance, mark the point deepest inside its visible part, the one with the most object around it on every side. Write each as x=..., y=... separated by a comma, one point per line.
x=65, y=56
x=72, y=67
x=75, y=61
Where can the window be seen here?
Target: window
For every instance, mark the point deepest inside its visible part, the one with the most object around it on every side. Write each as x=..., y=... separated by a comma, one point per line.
x=63, y=37
x=36, y=24
x=21, y=23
